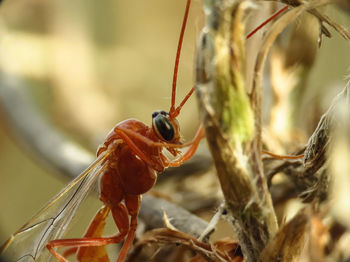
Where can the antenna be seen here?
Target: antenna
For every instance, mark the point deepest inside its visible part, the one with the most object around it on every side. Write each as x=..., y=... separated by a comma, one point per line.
x=174, y=112
x=267, y=21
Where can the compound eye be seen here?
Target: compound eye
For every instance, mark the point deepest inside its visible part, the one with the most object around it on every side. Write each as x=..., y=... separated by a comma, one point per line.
x=154, y=114
x=163, y=127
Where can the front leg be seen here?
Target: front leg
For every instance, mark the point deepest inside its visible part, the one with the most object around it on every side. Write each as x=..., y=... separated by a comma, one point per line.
x=129, y=135
x=193, y=145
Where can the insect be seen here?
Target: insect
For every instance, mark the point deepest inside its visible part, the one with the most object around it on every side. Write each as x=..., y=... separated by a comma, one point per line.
x=127, y=165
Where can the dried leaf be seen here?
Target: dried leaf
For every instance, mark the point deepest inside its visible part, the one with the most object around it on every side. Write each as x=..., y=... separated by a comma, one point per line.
x=316, y=148
x=288, y=242
x=226, y=250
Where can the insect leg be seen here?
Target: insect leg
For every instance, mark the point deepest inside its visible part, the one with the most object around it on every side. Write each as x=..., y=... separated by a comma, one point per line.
x=127, y=136
x=120, y=215
x=95, y=229
x=133, y=203
x=193, y=145
x=281, y=157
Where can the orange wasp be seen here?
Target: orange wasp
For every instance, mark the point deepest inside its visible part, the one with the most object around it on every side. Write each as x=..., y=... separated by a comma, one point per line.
x=127, y=165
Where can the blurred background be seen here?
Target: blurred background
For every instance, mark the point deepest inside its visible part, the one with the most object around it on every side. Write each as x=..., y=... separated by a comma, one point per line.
x=88, y=65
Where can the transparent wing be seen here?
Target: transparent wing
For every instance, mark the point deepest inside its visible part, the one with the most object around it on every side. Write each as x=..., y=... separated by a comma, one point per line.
x=28, y=243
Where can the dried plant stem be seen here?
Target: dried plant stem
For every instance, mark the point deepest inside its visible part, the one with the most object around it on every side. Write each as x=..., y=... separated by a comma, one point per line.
x=317, y=146
x=339, y=28
x=229, y=120
x=323, y=18
x=270, y=37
